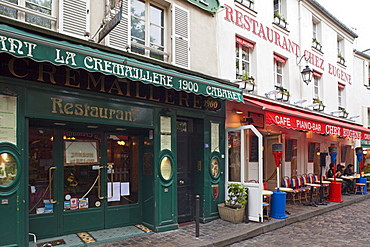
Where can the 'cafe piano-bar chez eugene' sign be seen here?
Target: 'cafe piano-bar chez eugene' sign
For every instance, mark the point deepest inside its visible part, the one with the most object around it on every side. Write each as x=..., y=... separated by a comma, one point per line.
x=246, y=22
x=23, y=44
x=304, y=124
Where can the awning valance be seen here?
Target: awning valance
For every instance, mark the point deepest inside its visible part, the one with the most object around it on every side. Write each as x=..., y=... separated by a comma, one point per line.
x=244, y=42
x=20, y=43
x=279, y=58
x=295, y=119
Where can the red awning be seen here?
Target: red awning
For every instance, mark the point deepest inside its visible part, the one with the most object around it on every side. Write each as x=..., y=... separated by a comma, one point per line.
x=244, y=42
x=295, y=119
x=279, y=58
x=317, y=74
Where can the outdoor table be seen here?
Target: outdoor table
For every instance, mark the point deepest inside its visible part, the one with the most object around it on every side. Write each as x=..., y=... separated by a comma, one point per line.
x=324, y=182
x=285, y=189
x=351, y=178
x=337, y=179
x=311, y=203
x=267, y=192
x=366, y=175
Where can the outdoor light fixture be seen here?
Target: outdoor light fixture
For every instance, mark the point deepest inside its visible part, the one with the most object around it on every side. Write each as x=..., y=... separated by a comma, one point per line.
x=334, y=112
x=357, y=116
x=301, y=101
x=272, y=92
x=307, y=74
x=314, y=105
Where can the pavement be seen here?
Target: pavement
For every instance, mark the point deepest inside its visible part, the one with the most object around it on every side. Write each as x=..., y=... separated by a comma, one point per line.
x=223, y=233
x=215, y=233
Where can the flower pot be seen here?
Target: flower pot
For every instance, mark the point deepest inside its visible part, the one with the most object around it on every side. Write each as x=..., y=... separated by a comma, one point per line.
x=234, y=215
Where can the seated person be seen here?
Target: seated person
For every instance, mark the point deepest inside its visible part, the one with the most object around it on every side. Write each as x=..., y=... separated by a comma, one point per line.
x=350, y=182
x=339, y=173
x=330, y=173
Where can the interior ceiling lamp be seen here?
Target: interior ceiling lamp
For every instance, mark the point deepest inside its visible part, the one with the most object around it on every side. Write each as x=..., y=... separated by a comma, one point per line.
x=306, y=72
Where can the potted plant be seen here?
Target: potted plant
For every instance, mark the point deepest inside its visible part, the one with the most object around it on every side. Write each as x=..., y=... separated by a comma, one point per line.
x=233, y=209
x=316, y=44
x=320, y=106
x=344, y=112
x=246, y=82
x=283, y=94
x=277, y=17
x=341, y=59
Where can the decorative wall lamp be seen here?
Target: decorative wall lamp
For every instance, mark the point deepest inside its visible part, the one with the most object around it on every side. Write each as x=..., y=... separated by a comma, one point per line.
x=352, y=117
x=306, y=72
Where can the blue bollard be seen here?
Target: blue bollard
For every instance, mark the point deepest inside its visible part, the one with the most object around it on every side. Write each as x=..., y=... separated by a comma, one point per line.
x=278, y=205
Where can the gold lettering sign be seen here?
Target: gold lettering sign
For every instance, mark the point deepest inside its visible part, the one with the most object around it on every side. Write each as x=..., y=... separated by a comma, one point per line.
x=86, y=110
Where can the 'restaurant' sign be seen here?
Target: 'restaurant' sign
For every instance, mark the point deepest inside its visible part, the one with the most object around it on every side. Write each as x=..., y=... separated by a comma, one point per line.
x=294, y=122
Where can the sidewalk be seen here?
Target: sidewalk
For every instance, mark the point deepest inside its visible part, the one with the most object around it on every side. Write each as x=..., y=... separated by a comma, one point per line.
x=215, y=233
x=222, y=233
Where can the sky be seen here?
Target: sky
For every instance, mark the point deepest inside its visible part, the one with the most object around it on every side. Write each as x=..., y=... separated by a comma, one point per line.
x=355, y=15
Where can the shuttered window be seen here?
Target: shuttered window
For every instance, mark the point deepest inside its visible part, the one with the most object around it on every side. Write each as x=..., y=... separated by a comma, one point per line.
x=118, y=37
x=74, y=17
x=181, y=37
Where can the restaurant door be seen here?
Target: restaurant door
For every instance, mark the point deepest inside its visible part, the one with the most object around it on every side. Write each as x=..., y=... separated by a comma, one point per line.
x=80, y=179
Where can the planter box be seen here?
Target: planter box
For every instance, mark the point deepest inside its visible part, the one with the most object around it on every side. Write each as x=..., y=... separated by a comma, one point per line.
x=231, y=214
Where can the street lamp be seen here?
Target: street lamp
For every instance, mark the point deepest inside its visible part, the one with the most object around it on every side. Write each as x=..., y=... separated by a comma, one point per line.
x=307, y=74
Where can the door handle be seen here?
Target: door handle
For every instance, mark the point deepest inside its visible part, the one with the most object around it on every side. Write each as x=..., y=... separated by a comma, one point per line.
x=99, y=187
x=51, y=184
x=111, y=181
x=181, y=182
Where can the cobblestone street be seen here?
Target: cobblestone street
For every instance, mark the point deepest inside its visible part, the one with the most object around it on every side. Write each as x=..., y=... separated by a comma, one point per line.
x=347, y=226
x=335, y=224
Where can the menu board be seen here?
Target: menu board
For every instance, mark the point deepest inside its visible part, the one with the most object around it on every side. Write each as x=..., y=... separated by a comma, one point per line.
x=254, y=149
x=8, y=119
x=311, y=151
x=288, y=150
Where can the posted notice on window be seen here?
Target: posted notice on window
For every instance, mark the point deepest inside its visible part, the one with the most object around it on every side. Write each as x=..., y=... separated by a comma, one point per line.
x=8, y=119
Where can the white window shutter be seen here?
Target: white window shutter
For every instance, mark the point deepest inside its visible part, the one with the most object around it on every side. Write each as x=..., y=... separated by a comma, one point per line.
x=74, y=17
x=118, y=37
x=180, y=40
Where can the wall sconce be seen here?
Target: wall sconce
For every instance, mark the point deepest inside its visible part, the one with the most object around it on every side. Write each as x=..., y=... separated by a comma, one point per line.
x=238, y=112
x=272, y=92
x=246, y=121
x=306, y=72
x=301, y=101
x=352, y=117
x=335, y=112
x=313, y=105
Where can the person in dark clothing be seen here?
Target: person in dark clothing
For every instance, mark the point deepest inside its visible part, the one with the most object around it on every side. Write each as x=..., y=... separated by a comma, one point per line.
x=330, y=173
x=339, y=173
x=350, y=182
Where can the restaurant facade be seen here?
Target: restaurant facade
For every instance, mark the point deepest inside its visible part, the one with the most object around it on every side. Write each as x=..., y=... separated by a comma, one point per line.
x=272, y=46
x=93, y=138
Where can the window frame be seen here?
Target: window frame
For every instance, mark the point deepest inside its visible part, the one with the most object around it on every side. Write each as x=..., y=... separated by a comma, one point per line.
x=147, y=48
x=277, y=65
x=240, y=61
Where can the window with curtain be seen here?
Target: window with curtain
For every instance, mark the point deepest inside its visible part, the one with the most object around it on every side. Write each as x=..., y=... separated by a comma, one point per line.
x=316, y=88
x=147, y=29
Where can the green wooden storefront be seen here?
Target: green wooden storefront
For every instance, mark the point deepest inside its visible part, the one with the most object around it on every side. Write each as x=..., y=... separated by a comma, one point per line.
x=93, y=139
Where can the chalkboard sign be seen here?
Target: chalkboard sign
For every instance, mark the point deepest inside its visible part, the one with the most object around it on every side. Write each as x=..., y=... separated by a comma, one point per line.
x=311, y=151
x=254, y=149
x=343, y=154
x=288, y=150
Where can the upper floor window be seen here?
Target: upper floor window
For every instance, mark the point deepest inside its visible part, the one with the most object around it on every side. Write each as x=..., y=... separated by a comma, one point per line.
x=38, y=12
x=277, y=7
x=368, y=75
x=147, y=29
x=247, y=3
x=368, y=117
x=340, y=50
x=341, y=95
x=316, y=91
x=316, y=37
x=242, y=60
x=279, y=63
